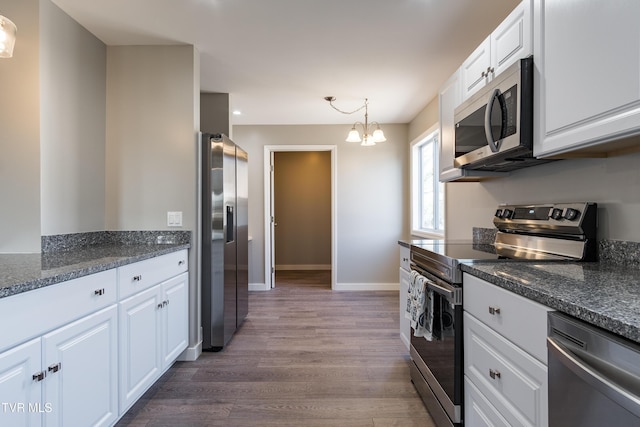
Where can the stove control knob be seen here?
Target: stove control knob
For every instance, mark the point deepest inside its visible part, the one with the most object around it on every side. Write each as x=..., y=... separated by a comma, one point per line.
x=507, y=214
x=556, y=214
x=499, y=213
x=571, y=214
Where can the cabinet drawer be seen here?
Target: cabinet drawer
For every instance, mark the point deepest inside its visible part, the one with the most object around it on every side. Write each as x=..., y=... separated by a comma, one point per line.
x=36, y=312
x=513, y=381
x=141, y=275
x=478, y=411
x=520, y=320
x=404, y=257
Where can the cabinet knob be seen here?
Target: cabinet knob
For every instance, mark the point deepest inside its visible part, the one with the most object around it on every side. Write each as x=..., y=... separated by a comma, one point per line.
x=494, y=374
x=55, y=368
x=137, y=278
x=39, y=376
x=483, y=74
x=494, y=310
x=160, y=306
x=99, y=292
x=181, y=262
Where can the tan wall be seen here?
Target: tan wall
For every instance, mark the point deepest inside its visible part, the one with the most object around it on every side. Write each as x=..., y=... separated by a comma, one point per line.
x=72, y=142
x=302, y=205
x=20, y=132
x=371, y=198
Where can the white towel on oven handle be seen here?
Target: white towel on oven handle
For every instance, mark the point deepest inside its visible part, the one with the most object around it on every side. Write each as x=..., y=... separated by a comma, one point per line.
x=409, y=302
x=419, y=306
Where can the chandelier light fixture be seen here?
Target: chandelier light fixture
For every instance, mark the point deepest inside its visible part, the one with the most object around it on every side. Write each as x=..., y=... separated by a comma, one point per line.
x=7, y=37
x=371, y=132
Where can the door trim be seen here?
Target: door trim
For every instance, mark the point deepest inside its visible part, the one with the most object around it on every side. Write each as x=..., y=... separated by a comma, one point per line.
x=268, y=237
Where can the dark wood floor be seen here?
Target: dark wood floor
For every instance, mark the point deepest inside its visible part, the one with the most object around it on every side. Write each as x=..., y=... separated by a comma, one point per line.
x=305, y=356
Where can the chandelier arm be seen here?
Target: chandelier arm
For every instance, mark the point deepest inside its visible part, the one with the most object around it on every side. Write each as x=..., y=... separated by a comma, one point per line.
x=346, y=112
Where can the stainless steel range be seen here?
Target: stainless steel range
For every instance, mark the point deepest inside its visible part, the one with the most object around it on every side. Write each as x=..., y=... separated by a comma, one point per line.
x=549, y=232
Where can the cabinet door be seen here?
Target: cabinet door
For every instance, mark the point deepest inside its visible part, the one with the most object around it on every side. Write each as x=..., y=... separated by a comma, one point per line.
x=140, y=344
x=21, y=395
x=478, y=411
x=474, y=69
x=512, y=39
x=405, y=326
x=587, y=81
x=175, y=321
x=449, y=98
x=82, y=365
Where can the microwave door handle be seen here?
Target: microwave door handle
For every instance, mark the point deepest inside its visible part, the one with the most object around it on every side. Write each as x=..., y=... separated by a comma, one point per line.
x=487, y=121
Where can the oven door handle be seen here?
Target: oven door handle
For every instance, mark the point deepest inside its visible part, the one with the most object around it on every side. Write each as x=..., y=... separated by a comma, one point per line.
x=449, y=293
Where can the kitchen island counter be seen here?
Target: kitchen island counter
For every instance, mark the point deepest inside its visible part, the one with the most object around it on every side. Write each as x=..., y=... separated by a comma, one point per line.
x=604, y=294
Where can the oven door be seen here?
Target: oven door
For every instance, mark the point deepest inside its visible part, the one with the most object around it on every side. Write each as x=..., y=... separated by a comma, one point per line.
x=439, y=361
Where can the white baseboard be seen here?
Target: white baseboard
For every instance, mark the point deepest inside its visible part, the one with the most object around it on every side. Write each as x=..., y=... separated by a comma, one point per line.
x=191, y=353
x=303, y=267
x=367, y=287
x=259, y=287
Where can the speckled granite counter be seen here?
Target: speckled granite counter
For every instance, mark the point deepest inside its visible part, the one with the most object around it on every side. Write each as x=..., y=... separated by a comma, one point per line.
x=603, y=294
x=24, y=272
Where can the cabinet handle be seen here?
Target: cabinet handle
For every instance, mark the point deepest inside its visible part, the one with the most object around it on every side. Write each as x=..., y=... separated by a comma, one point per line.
x=494, y=374
x=494, y=310
x=137, y=278
x=39, y=376
x=99, y=291
x=165, y=303
x=483, y=74
x=181, y=262
x=55, y=368
x=490, y=70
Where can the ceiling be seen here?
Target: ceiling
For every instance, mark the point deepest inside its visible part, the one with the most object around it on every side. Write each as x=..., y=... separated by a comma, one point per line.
x=278, y=59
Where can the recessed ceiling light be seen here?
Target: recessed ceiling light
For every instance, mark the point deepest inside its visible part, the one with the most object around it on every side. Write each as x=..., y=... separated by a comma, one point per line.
x=237, y=113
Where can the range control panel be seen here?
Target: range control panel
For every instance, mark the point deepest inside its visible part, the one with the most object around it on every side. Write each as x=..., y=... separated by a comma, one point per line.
x=562, y=218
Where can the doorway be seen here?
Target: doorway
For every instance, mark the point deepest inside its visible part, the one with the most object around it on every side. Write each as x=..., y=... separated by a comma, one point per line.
x=292, y=255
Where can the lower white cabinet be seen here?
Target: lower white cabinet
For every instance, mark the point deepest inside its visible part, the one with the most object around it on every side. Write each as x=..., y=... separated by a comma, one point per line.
x=81, y=364
x=153, y=332
x=75, y=355
x=405, y=274
x=67, y=377
x=505, y=364
x=20, y=394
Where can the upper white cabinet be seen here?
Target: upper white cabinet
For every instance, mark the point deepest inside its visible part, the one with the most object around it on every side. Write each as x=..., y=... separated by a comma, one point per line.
x=510, y=41
x=449, y=97
x=587, y=81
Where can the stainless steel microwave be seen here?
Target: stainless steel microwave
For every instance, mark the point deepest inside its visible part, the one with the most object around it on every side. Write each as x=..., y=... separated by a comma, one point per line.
x=494, y=127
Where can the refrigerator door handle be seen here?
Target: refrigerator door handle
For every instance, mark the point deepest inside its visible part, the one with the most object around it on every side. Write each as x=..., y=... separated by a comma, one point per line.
x=230, y=228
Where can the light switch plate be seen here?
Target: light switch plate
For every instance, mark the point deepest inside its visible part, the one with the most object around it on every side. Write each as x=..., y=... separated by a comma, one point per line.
x=174, y=219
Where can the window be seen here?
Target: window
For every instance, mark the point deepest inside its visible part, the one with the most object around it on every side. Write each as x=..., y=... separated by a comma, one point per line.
x=427, y=199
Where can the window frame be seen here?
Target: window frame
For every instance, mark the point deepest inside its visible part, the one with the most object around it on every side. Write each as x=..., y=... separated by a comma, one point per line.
x=416, y=187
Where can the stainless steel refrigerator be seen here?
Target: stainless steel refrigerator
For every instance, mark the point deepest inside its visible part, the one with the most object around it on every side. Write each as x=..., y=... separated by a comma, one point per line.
x=224, y=239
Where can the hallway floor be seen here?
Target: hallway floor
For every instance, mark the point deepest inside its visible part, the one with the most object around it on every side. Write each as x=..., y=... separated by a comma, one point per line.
x=305, y=356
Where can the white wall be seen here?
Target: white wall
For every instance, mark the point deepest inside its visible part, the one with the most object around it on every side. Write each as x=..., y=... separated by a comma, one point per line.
x=153, y=117
x=72, y=141
x=20, y=132
x=614, y=183
x=371, y=200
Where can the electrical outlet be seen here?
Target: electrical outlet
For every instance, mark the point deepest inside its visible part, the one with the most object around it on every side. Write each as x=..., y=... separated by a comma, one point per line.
x=174, y=219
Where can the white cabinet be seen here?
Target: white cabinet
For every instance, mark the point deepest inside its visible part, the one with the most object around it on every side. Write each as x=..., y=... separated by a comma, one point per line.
x=81, y=364
x=61, y=355
x=587, y=81
x=66, y=378
x=510, y=41
x=405, y=272
x=505, y=359
x=20, y=393
x=153, y=332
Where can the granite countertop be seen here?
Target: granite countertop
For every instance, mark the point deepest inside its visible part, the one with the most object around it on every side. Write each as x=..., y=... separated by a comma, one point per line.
x=24, y=272
x=604, y=294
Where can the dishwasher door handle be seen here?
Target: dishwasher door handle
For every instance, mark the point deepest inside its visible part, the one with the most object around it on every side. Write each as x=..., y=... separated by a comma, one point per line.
x=593, y=377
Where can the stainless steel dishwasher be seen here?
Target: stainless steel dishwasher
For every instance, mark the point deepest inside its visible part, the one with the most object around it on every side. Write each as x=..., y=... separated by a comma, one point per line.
x=594, y=376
